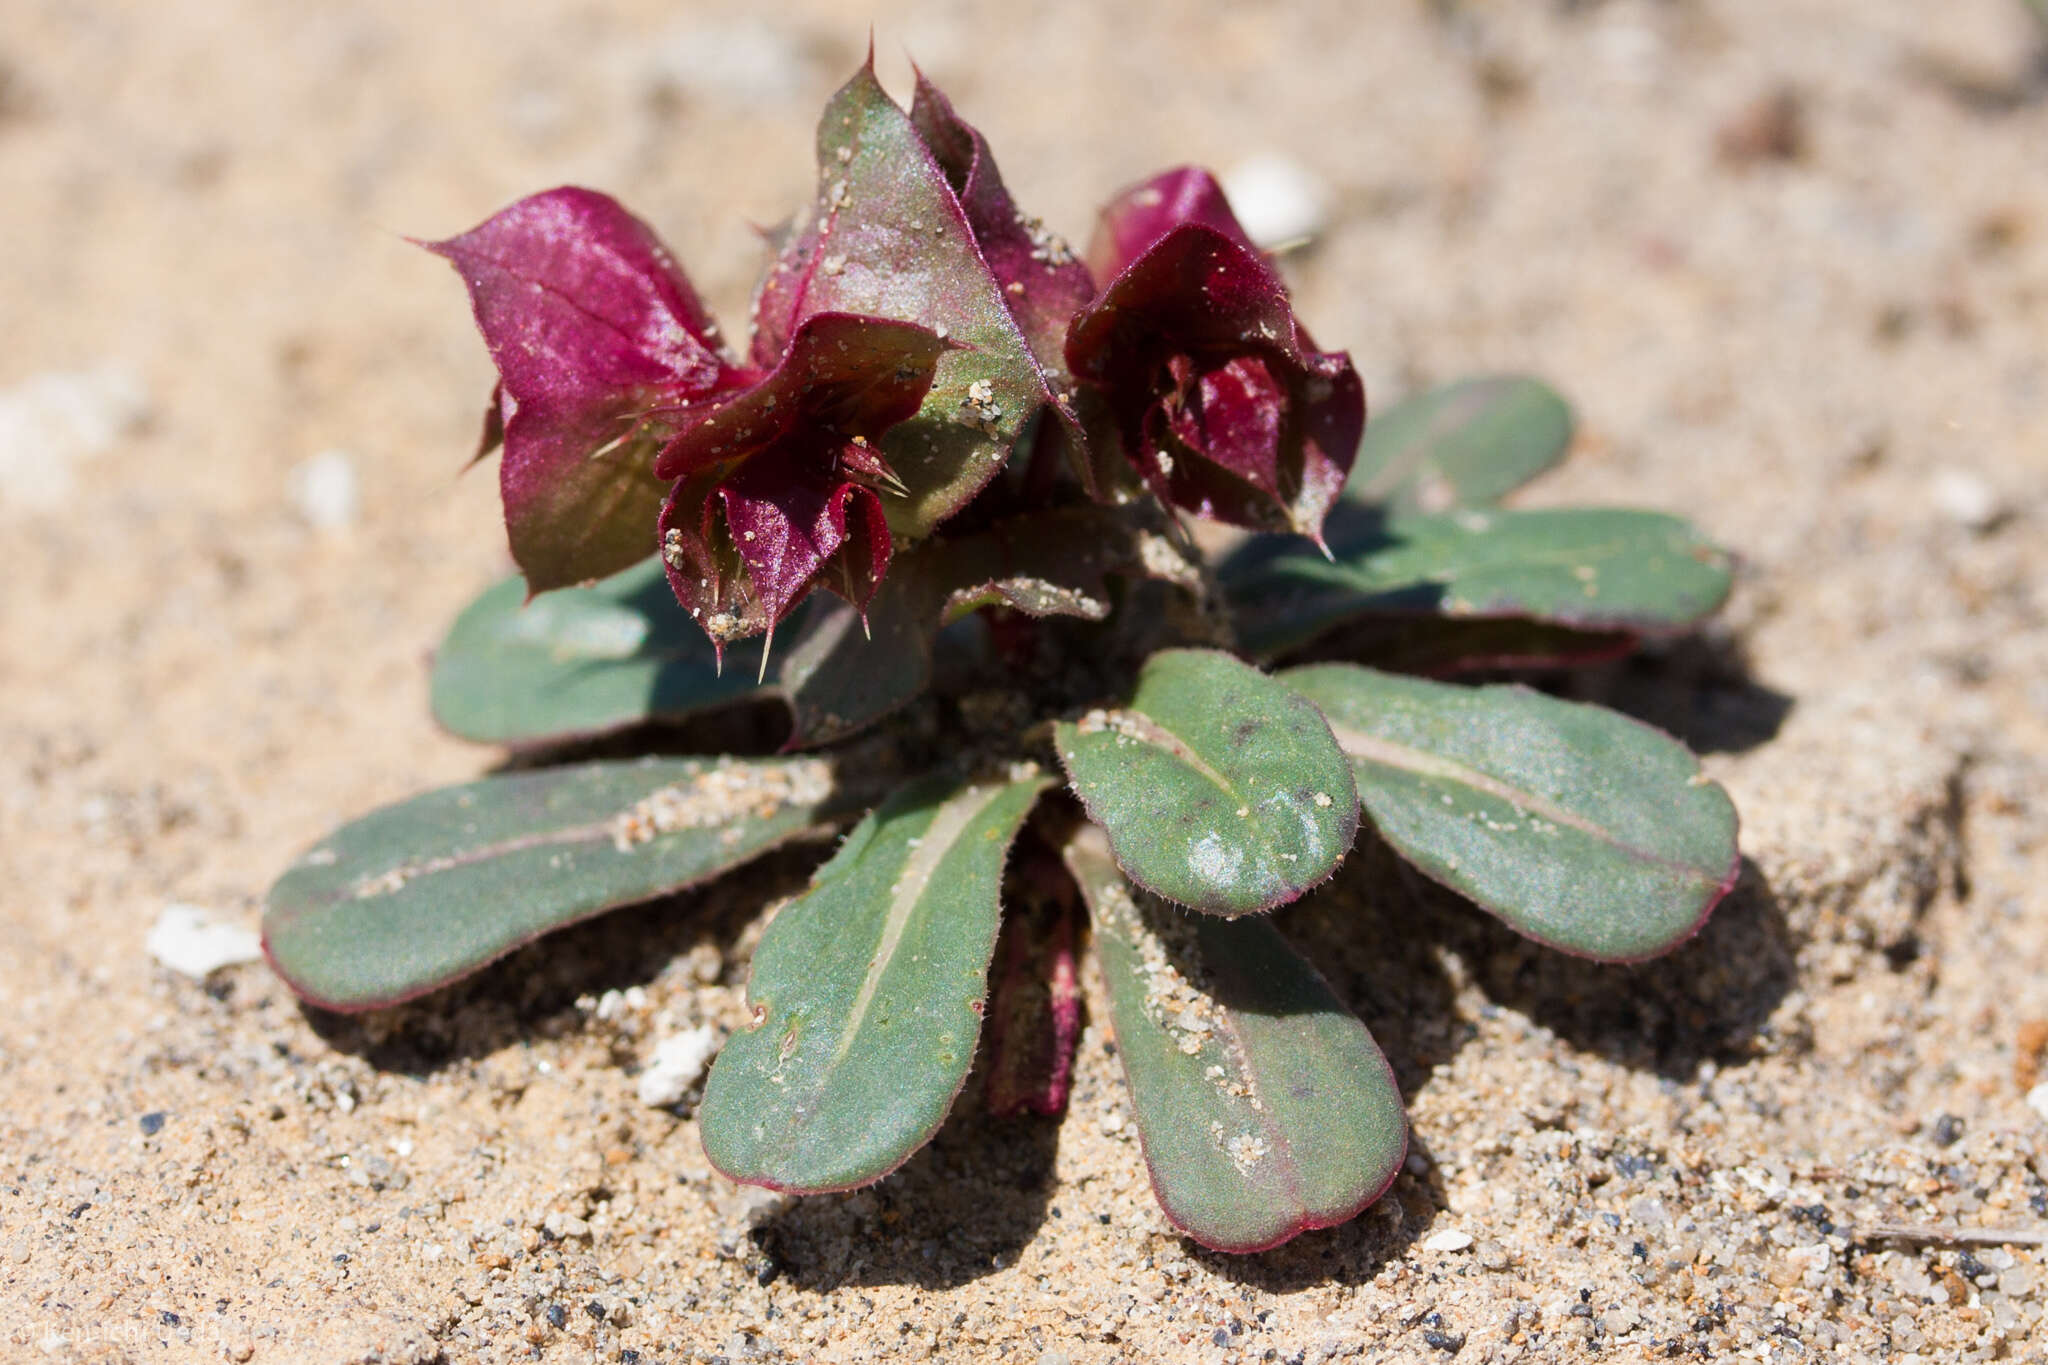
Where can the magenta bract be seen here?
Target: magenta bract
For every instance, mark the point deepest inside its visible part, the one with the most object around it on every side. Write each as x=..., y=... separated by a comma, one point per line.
x=901, y=227
x=914, y=332
x=1221, y=399
x=601, y=346
x=779, y=488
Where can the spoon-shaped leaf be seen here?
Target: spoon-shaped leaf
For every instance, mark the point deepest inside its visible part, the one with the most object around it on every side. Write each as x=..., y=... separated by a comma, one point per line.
x=1220, y=789
x=1581, y=828
x=580, y=661
x=584, y=661
x=412, y=896
x=1462, y=444
x=1264, y=1106
x=1588, y=568
x=867, y=994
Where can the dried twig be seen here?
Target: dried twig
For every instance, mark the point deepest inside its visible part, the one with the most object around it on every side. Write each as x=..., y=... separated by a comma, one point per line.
x=1947, y=1235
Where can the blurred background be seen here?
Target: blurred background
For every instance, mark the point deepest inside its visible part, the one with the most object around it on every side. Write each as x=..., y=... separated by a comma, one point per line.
x=1788, y=257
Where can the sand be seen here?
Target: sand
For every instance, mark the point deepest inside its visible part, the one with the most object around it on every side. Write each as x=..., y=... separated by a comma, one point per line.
x=1789, y=257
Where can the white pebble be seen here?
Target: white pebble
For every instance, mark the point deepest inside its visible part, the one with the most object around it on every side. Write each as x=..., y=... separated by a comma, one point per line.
x=1279, y=201
x=1450, y=1239
x=1967, y=499
x=190, y=941
x=757, y=1207
x=678, y=1063
x=2037, y=1100
x=52, y=422
x=324, y=490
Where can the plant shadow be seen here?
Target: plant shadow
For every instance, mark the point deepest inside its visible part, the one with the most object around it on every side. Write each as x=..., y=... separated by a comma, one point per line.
x=1350, y=1253
x=1698, y=688
x=1710, y=1000
x=900, y=1232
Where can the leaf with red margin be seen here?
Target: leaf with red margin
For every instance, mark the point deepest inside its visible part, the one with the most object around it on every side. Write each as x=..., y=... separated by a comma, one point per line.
x=1264, y=1106
x=415, y=895
x=1590, y=569
x=1580, y=828
x=867, y=993
x=1052, y=284
x=1221, y=789
x=600, y=343
x=887, y=238
x=582, y=662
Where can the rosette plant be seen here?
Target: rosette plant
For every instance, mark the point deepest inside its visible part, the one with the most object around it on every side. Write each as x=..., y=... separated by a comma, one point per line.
x=1040, y=712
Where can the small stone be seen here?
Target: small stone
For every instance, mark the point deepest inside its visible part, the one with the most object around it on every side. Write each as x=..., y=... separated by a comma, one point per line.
x=151, y=1123
x=1948, y=1129
x=324, y=492
x=754, y=1207
x=2037, y=1100
x=705, y=963
x=190, y=942
x=1450, y=1239
x=565, y=1227
x=1278, y=200
x=1968, y=499
x=53, y=421
x=1649, y=1211
x=678, y=1064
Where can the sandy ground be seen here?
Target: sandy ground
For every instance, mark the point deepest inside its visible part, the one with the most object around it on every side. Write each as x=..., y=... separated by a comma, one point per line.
x=1789, y=256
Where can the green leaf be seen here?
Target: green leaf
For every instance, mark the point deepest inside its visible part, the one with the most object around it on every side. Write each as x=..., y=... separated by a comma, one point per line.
x=1581, y=828
x=1265, y=1108
x=419, y=893
x=1220, y=788
x=1461, y=444
x=1593, y=569
x=580, y=661
x=584, y=661
x=867, y=994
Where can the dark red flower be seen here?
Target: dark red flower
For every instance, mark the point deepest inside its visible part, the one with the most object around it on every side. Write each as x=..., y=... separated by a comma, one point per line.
x=627, y=427
x=778, y=489
x=1219, y=395
x=602, y=350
